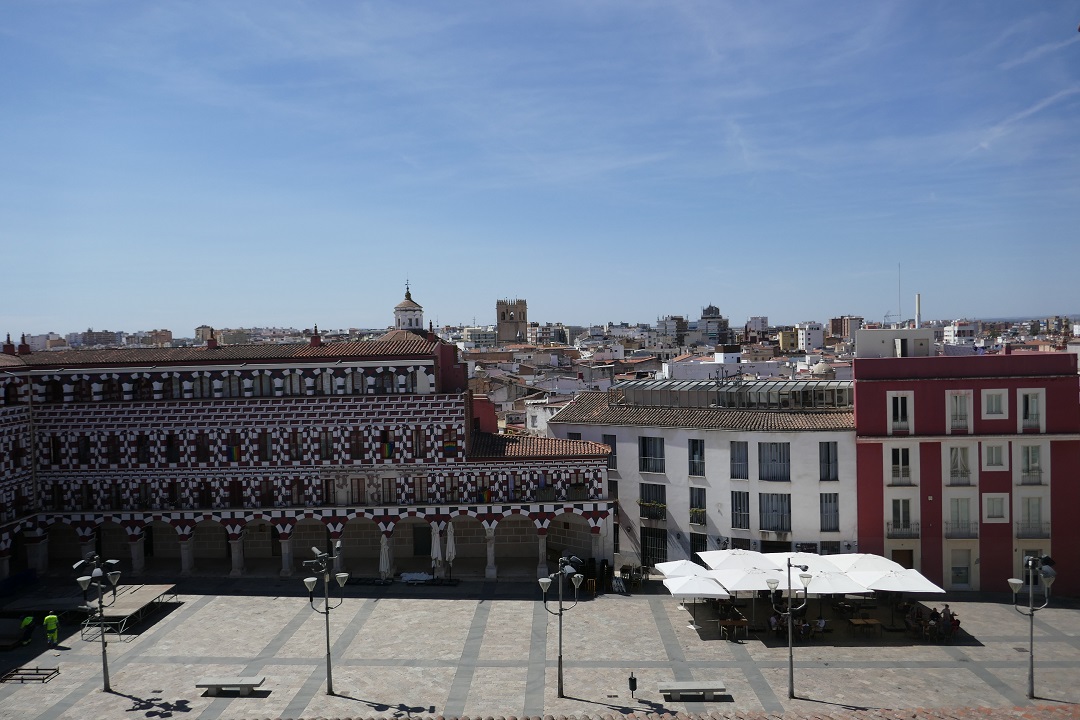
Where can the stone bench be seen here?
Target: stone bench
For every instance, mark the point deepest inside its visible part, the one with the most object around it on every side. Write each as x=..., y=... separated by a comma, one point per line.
x=708, y=689
x=244, y=685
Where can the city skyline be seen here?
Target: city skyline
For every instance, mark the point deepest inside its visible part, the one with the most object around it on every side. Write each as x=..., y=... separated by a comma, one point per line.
x=169, y=166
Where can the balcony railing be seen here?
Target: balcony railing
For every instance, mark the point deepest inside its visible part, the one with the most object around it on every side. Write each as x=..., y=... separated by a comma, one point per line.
x=902, y=530
x=1030, y=421
x=652, y=511
x=900, y=426
x=1031, y=477
x=959, y=422
x=697, y=516
x=1032, y=529
x=697, y=468
x=962, y=529
x=958, y=478
x=775, y=522
x=901, y=475
x=651, y=465
x=740, y=471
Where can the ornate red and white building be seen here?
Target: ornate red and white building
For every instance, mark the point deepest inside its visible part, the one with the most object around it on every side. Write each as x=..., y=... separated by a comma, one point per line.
x=967, y=464
x=177, y=456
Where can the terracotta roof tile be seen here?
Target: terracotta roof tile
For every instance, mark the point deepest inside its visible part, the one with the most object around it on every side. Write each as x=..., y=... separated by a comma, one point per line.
x=488, y=446
x=594, y=408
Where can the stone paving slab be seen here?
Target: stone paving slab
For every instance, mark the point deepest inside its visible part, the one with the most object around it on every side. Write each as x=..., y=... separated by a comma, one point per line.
x=486, y=650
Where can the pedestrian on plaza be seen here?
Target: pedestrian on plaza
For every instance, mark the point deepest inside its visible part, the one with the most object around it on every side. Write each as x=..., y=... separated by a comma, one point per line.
x=935, y=615
x=27, y=627
x=52, y=629
x=946, y=615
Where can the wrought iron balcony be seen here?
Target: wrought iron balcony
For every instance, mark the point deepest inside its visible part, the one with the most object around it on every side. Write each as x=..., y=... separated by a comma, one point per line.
x=1032, y=476
x=958, y=478
x=697, y=516
x=1032, y=529
x=962, y=529
x=901, y=475
x=902, y=530
x=652, y=511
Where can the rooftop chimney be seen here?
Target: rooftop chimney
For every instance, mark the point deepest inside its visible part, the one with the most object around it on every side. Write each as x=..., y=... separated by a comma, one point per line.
x=24, y=349
x=211, y=342
x=316, y=341
x=9, y=348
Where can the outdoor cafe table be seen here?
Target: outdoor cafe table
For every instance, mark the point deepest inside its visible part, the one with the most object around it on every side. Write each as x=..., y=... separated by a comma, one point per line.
x=866, y=624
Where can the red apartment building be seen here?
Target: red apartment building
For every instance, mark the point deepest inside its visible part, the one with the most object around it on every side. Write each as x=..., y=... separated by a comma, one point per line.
x=967, y=464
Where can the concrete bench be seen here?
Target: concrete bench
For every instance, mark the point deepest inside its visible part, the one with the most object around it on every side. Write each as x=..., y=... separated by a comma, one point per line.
x=244, y=685
x=708, y=689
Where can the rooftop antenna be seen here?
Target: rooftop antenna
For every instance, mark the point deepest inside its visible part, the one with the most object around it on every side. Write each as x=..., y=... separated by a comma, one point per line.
x=899, y=296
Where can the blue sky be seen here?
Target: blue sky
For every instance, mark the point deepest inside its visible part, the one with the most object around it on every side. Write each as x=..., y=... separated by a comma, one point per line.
x=290, y=163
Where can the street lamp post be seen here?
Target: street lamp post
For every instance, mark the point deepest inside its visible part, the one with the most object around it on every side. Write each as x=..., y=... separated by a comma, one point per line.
x=321, y=566
x=566, y=567
x=1041, y=567
x=773, y=583
x=98, y=570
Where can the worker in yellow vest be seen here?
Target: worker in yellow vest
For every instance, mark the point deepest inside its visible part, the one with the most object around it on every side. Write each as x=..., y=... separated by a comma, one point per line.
x=27, y=627
x=52, y=629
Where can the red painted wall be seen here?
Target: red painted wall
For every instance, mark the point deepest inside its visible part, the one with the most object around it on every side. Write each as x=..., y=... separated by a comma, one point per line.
x=930, y=511
x=871, y=495
x=1064, y=528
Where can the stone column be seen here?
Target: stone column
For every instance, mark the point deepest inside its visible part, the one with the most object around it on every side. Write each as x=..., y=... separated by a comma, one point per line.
x=187, y=556
x=596, y=550
x=491, y=571
x=138, y=555
x=37, y=555
x=286, y=557
x=237, y=552
x=541, y=567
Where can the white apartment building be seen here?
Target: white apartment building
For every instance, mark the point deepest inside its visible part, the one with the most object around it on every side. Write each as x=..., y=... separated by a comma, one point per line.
x=961, y=332
x=811, y=336
x=757, y=323
x=701, y=466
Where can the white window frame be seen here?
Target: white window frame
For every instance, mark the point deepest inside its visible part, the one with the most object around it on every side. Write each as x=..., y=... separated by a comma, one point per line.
x=909, y=410
x=957, y=400
x=1003, y=405
x=1040, y=400
x=1003, y=498
x=1004, y=465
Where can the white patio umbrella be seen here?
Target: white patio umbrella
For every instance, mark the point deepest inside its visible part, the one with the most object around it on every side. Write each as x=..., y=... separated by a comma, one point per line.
x=815, y=563
x=905, y=580
x=680, y=568
x=863, y=562
x=451, y=548
x=436, y=552
x=695, y=586
x=384, y=556
x=738, y=559
x=752, y=580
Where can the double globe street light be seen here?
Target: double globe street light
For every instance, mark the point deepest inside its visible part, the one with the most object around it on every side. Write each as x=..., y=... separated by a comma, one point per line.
x=774, y=583
x=321, y=566
x=1034, y=567
x=566, y=568
x=98, y=571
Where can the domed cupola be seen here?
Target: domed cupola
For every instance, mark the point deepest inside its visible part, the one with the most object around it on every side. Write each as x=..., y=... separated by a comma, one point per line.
x=408, y=314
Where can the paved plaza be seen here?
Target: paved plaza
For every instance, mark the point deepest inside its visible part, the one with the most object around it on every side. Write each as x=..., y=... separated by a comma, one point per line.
x=489, y=649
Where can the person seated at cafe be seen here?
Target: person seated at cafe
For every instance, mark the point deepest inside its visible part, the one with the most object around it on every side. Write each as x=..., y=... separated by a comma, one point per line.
x=935, y=616
x=775, y=624
x=804, y=629
x=820, y=625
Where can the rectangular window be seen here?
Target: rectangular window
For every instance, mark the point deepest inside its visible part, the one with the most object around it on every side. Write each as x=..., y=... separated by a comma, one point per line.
x=740, y=509
x=901, y=514
x=1031, y=465
x=995, y=508
x=960, y=524
x=652, y=501
x=994, y=404
x=959, y=468
x=901, y=466
x=774, y=461
x=234, y=447
x=740, y=460
x=613, y=489
x=774, y=511
x=697, y=506
x=900, y=413
x=1029, y=411
x=827, y=457
x=958, y=411
x=994, y=456
x=112, y=449
x=356, y=445
x=83, y=449
x=573, y=436
x=56, y=453
x=419, y=443
x=654, y=543
x=830, y=512
x=651, y=454
x=326, y=445
x=202, y=448
x=142, y=449
x=295, y=446
x=613, y=458
x=172, y=448
x=449, y=441
x=696, y=449
x=699, y=542
x=266, y=446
